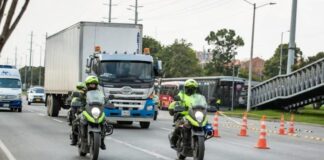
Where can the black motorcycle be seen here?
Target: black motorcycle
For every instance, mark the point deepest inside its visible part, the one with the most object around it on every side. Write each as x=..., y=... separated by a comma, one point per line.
x=92, y=125
x=194, y=130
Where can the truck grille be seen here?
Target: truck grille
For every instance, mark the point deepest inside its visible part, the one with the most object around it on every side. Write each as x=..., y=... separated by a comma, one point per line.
x=128, y=104
x=7, y=97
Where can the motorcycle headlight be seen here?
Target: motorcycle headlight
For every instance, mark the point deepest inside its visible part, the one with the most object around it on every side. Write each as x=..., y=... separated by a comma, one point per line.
x=199, y=116
x=95, y=112
x=149, y=108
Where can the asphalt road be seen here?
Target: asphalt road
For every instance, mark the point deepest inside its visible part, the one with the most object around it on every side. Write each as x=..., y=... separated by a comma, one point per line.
x=32, y=135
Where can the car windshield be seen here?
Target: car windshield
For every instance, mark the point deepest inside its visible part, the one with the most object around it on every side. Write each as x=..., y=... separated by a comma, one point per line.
x=198, y=101
x=126, y=71
x=10, y=83
x=39, y=90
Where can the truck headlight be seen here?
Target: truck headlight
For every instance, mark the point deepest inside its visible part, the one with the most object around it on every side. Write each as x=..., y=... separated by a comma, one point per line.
x=199, y=116
x=95, y=111
x=149, y=108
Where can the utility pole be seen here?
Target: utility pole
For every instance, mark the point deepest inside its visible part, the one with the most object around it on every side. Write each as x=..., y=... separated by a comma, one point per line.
x=109, y=4
x=292, y=43
x=136, y=13
x=40, y=66
x=16, y=57
x=30, y=59
x=136, y=20
x=25, y=72
x=109, y=16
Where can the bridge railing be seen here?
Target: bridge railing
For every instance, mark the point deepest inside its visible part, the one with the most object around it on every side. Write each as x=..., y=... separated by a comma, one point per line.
x=285, y=86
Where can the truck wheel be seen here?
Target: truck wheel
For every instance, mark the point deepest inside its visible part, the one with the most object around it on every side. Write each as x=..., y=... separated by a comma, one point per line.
x=52, y=106
x=145, y=125
x=19, y=109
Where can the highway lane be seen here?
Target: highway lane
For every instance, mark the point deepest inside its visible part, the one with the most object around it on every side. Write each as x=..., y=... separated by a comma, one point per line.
x=33, y=135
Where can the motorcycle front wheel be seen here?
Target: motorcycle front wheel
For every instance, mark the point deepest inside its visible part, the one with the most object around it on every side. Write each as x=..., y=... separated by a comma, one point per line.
x=82, y=153
x=199, y=148
x=94, y=145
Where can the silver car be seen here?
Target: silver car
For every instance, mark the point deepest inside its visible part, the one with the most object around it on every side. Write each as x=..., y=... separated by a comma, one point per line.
x=35, y=95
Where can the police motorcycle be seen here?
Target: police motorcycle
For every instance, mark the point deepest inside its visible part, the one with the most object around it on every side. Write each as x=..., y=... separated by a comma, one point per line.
x=195, y=127
x=92, y=125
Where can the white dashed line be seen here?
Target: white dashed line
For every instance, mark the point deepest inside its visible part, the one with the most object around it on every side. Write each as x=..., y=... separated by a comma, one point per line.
x=57, y=120
x=6, y=151
x=166, y=129
x=159, y=156
x=41, y=114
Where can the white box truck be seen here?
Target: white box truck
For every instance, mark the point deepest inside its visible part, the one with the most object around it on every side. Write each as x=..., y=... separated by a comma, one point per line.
x=70, y=53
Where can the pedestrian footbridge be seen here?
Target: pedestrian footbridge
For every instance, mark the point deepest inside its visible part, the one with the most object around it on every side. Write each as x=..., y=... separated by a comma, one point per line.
x=301, y=87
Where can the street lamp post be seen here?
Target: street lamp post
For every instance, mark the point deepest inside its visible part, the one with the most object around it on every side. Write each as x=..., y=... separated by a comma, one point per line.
x=233, y=83
x=252, y=45
x=281, y=48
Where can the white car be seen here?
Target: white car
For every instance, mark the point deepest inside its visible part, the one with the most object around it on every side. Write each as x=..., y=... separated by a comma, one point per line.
x=35, y=95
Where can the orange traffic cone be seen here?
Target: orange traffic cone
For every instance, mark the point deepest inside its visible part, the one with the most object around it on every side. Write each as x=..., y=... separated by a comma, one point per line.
x=243, y=131
x=291, y=129
x=215, y=125
x=282, y=125
x=262, y=142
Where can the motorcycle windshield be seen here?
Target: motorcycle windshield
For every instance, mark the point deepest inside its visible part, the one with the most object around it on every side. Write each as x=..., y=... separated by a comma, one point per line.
x=198, y=101
x=95, y=97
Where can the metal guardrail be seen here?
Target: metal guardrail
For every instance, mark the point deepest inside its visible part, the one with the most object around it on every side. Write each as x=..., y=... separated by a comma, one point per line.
x=287, y=87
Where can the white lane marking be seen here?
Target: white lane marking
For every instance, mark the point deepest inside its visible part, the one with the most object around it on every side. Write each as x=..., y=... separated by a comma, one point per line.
x=229, y=118
x=57, y=120
x=159, y=156
x=41, y=114
x=6, y=151
x=166, y=129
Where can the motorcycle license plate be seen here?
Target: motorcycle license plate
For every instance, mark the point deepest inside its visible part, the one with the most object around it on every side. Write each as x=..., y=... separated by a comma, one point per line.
x=125, y=113
x=5, y=105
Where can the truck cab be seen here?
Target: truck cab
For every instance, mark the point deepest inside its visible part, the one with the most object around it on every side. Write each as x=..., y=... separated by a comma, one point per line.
x=10, y=88
x=129, y=78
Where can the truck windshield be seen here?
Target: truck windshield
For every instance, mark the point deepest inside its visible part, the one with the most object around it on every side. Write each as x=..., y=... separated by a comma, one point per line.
x=9, y=83
x=126, y=71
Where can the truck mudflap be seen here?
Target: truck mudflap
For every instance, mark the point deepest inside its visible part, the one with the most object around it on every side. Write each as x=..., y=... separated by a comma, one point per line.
x=11, y=104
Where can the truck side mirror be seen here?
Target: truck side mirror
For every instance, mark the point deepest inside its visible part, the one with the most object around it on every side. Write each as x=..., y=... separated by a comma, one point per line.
x=158, y=68
x=88, y=63
x=87, y=70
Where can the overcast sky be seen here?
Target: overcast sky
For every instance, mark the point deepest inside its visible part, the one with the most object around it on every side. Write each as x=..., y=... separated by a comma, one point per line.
x=167, y=20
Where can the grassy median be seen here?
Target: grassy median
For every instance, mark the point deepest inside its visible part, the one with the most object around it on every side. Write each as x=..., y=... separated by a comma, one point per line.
x=305, y=115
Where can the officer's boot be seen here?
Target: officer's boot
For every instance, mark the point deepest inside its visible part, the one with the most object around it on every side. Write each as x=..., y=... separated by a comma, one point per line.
x=103, y=146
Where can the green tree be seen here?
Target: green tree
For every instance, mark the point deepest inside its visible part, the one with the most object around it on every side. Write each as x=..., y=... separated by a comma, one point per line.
x=179, y=60
x=312, y=59
x=36, y=71
x=271, y=66
x=154, y=45
x=225, y=43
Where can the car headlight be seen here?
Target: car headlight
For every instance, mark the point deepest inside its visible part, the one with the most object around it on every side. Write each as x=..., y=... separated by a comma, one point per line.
x=199, y=116
x=149, y=108
x=95, y=111
x=18, y=96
